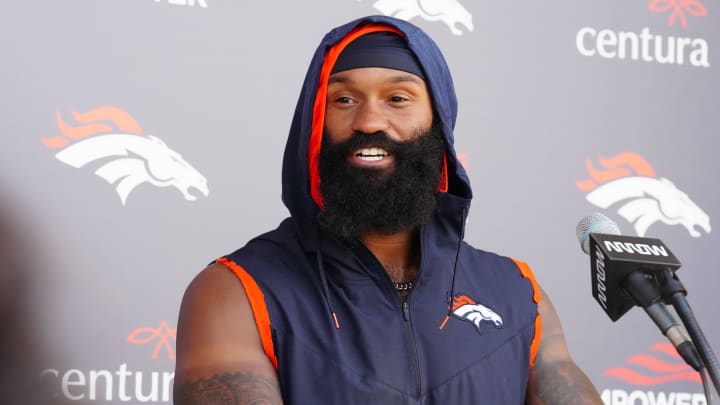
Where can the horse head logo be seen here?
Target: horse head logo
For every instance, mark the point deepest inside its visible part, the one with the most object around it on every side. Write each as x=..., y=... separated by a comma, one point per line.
x=467, y=310
x=128, y=158
x=629, y=180
x=450, y=12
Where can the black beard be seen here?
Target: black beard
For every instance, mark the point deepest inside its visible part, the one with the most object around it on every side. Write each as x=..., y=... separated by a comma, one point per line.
x=399, y=198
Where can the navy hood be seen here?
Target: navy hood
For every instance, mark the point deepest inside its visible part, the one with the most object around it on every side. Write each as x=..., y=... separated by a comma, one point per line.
x=300, y=174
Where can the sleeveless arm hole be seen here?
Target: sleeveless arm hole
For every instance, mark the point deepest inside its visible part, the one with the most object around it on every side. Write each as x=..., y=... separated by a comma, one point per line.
x=527, y=273
x=258, y=306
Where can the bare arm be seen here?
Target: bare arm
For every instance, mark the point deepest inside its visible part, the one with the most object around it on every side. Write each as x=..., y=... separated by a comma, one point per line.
x=555, y=379
x=220, y=359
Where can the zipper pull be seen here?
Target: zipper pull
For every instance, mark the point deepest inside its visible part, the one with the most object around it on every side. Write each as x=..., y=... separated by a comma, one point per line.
x=406, y=310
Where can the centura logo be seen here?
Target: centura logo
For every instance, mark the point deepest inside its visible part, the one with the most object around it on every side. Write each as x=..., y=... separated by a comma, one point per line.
x=661, y=366
x=122, y=383
x=465, y=309
x=161, y=335
x=450, y=12
x=127, y=158
x=628, y=179
x=188, y=3
x=610, y=44
x=678, y=9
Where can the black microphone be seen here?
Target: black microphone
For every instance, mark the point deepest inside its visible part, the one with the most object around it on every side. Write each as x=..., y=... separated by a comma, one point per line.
x=622, y=275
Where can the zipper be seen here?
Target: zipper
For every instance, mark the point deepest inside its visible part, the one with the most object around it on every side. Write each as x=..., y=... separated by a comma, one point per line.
x=404, y=308
x=413, y=347
x=408, y=321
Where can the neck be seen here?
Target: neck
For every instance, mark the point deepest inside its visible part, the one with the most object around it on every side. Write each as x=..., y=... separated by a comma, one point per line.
x=399, y=253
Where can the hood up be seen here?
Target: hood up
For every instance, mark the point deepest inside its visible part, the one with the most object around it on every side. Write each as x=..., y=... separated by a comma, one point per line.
x=300, y=174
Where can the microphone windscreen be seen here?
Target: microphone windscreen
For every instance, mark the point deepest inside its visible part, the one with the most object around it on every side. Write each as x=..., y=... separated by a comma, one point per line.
x=594, y=223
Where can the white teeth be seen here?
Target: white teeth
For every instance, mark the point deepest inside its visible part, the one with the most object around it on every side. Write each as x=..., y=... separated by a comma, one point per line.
x=371, y=154
x=370, y=158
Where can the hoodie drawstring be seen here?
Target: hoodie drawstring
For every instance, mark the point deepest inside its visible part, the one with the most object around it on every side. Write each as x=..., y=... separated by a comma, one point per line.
x=323, y=278
x=457, y=254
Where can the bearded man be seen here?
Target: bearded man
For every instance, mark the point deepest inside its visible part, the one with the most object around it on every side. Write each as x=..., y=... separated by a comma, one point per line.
x=368, y=294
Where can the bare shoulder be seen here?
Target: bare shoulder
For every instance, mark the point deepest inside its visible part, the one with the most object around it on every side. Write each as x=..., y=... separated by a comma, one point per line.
x=219, y=352
x=554, y=377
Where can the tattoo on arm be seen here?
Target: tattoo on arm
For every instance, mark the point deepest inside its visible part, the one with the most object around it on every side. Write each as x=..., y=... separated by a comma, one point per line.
x=230, y=389
x=555, y=378
x=561, y=383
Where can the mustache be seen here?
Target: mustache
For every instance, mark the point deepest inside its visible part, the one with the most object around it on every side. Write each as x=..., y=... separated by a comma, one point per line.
x=378, y=139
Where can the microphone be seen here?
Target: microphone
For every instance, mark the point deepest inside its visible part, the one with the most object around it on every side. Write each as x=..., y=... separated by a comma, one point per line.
x=622, y=275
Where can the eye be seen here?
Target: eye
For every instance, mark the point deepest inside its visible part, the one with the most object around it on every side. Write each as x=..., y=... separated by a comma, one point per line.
x=398, y=99
x=344, y=100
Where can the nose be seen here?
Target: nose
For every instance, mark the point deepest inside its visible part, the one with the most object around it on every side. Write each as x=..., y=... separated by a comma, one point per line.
x=369, y=118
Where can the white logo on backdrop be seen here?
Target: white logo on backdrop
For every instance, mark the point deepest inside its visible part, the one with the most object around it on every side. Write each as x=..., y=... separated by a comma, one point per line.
x=189, y=3
x=647, y=46
x=450, y=12
x=128, y=158
x=629, y=179
x=147, y=159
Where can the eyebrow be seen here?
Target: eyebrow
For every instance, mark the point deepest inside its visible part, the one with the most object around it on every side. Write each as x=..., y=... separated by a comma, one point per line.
x=407, y=77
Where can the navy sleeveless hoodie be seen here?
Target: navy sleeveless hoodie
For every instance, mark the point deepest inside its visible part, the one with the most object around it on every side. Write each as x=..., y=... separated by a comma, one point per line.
x=326, y=311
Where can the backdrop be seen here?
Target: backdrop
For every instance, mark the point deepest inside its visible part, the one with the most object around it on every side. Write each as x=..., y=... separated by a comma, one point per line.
x=143, y=139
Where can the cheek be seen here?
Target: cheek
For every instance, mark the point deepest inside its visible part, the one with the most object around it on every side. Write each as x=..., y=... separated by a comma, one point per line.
x=422, y=116
x=336, y=127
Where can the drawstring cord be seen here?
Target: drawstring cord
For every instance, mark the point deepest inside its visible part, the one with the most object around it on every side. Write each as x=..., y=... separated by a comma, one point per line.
x=457, y=254
x=326, y=288
x=454, y=271
x=323, y=278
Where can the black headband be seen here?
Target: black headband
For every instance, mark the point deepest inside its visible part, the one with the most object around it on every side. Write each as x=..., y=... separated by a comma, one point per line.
x=379, y=49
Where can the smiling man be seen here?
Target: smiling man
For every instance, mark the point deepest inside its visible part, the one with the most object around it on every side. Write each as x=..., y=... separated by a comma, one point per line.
x=368, y=294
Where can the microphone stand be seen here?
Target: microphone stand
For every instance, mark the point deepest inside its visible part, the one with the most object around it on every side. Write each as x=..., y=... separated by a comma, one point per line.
x=674, y=292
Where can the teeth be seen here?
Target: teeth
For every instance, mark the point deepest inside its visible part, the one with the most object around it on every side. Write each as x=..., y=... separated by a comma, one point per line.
x=371, y=154
x=370, y=158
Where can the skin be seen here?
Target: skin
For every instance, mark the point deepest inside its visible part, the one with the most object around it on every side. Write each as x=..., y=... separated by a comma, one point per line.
x=220, y=359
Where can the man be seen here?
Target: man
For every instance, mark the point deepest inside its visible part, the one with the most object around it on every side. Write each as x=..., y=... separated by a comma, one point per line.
x=367, y=294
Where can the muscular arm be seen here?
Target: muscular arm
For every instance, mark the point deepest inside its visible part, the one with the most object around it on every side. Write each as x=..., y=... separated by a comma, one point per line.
x=555, y=379
x=220, y=359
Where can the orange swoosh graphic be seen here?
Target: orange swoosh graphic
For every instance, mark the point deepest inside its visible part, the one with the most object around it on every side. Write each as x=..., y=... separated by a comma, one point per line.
x=662, y=370
x=667, y=348
x=457, y=303
x=654, y=364
x=621, y=165
x=464, y=159
x=81, y=131
x=101, y=120
x=122, y=120
x=641, y=379
x=462, y=300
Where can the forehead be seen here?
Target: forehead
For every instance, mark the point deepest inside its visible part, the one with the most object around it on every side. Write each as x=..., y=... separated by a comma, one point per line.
x=376, y=76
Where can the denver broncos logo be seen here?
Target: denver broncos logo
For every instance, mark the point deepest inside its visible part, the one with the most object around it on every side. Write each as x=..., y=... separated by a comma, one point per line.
x=465, y=309
x=628, y=178
x=450, y=12
x=112, y=136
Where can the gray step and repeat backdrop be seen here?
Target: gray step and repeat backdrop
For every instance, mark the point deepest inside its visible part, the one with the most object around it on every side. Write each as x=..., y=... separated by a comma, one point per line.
x=144, y=139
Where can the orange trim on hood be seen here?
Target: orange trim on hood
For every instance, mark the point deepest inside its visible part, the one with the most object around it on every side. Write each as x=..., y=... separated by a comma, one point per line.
x=443, y=186
x=319, y=109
